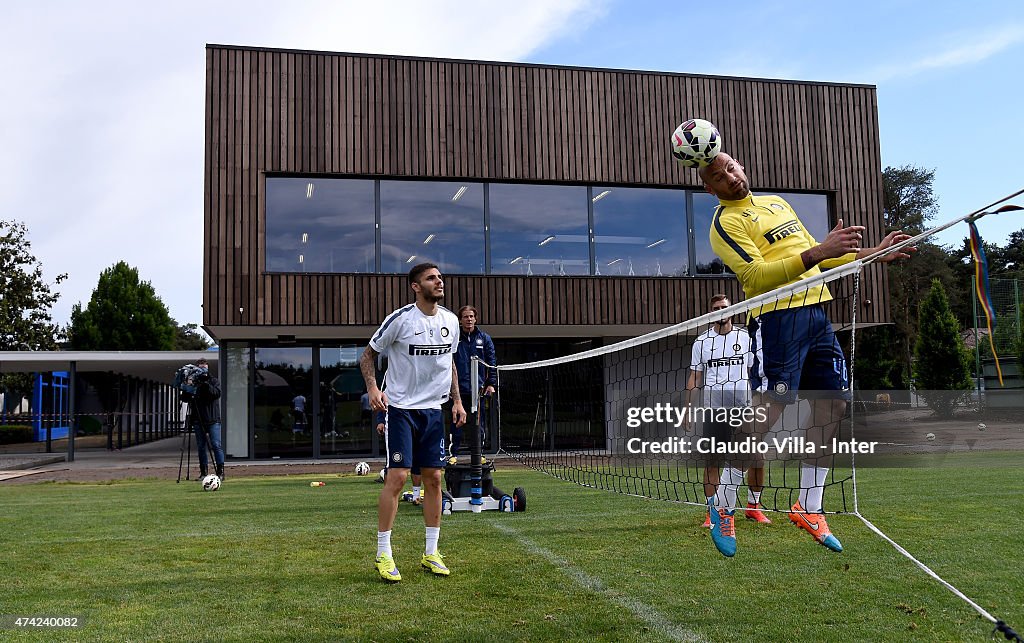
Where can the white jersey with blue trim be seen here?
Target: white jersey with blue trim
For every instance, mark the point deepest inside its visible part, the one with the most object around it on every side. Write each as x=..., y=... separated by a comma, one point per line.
x=725, y=361
x=420, y=351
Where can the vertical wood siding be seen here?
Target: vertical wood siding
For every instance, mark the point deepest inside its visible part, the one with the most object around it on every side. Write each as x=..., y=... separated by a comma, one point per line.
x=343, y=114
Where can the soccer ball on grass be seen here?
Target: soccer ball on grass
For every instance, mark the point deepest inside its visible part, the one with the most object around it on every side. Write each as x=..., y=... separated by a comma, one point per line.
x=362, y=469
x=211, y=482
x=696, y=142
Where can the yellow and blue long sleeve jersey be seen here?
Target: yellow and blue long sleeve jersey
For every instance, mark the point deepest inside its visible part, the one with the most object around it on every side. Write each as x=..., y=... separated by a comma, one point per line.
x=760, y=238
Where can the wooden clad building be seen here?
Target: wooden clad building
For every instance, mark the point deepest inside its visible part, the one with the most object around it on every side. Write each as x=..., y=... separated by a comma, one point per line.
x=278, y=121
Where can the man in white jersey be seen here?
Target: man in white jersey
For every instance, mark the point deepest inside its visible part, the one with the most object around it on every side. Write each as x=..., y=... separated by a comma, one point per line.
x=420, y=340
x=720, y=367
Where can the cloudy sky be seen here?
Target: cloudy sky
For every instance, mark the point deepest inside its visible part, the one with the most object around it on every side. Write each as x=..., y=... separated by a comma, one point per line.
x=102, y=109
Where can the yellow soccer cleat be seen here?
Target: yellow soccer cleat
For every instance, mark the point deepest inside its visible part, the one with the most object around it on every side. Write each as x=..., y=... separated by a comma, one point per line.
x=435, y=563
x=386, y=568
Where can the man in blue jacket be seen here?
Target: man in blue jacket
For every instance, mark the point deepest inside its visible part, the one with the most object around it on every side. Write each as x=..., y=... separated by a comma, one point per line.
x=473, y=342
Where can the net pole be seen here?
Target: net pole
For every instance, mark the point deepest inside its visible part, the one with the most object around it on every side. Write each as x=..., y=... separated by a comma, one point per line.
x=853, y=389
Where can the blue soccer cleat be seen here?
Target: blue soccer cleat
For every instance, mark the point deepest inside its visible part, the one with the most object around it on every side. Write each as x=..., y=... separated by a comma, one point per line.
x=723, y=531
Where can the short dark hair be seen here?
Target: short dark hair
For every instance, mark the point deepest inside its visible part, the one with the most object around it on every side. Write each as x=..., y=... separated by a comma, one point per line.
x=202, y=360
x=476, y=313
x=718, y=297
x=418, y=270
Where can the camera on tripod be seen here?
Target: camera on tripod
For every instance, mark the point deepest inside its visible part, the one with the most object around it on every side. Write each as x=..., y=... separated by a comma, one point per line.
x=187, y=380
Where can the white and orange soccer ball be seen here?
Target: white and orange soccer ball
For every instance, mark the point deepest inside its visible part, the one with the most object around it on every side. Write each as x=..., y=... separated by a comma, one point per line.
x=696, y=142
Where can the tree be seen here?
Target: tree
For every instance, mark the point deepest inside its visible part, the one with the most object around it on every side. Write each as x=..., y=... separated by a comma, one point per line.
x=25, y=298
x=942, y=364
x=189, y=338
x=25, y=302
x=877, y=367
x=1012, y=256
x=124, y=314
x=908, y=200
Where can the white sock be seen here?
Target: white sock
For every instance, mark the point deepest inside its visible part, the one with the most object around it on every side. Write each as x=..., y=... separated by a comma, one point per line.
x=384, y=542
x=812, y=487
x=753, y=497
x=728, y=485
x=415, y=492
x=433, y=533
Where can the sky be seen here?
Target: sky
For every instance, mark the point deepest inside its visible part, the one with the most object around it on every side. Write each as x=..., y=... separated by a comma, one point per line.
x=101, y=117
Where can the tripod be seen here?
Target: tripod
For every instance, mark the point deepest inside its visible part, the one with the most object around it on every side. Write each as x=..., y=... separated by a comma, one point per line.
x=193, y=413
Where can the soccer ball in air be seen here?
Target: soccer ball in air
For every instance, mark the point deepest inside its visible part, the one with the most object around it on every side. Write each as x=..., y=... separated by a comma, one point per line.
x=211, y=482
x=696, y=142
x=362, y=469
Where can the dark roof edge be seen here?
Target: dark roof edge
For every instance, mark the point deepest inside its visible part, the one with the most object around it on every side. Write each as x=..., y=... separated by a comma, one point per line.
x=532, y=65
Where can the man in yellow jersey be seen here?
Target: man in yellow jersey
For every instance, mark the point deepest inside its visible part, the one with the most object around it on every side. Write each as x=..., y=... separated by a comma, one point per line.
x=763, y=241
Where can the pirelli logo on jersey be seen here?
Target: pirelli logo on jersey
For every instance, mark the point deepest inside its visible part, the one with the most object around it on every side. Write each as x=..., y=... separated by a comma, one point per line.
x=782, y=231
x=726, y=361
x=430, y=349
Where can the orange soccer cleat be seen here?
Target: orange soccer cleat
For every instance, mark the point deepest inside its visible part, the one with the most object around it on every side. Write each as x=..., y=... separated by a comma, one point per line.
x=753, y=512
x=815, y=525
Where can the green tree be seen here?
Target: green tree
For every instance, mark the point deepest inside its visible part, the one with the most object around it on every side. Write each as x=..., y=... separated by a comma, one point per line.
x=26, y=299
x=909, y=203
x=1012, y=257
x=877, y=368
x=941, y=362
x=189, y=338
x=124, y=314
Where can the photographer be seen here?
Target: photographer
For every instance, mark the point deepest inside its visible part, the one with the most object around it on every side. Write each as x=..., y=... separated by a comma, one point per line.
x=205, y=418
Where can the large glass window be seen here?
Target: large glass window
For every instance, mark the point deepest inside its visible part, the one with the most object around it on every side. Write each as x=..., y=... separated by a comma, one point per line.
x=539, y=230
x=640, y=232
x=330, y=225
x=345, y=420
x=320, y=225
x=438, y=222
x=283, y=412
x=235, y=385
x=707, y=262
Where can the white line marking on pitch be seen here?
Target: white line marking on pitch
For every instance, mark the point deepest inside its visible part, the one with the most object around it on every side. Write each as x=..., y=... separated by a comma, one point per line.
x=643, y=611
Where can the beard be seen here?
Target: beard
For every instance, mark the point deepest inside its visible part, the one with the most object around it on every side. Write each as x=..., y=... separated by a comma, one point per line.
x=723, y=322
x=432, y=298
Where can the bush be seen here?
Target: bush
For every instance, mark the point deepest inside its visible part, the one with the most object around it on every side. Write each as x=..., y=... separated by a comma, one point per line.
x=15, y=434
x=941, y=362
x=89, y=425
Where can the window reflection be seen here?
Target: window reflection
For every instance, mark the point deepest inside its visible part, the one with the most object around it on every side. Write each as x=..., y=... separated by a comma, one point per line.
x=639, y=231
x=431, y=221
x=236, y=391
x=344, y=406
x=328, y=225
x=539, y=230
x=320, y=225
x=707, y=262
x=283, y=412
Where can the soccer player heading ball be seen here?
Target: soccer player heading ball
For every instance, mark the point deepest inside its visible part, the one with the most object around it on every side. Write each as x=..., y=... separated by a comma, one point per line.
x=793, y=339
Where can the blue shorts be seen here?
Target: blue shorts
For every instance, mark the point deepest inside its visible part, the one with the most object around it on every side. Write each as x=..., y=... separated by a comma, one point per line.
x=795, y=349
x=414, y=439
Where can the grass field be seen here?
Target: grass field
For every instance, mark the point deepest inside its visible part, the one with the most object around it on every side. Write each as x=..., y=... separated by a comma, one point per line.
x=274, y=559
